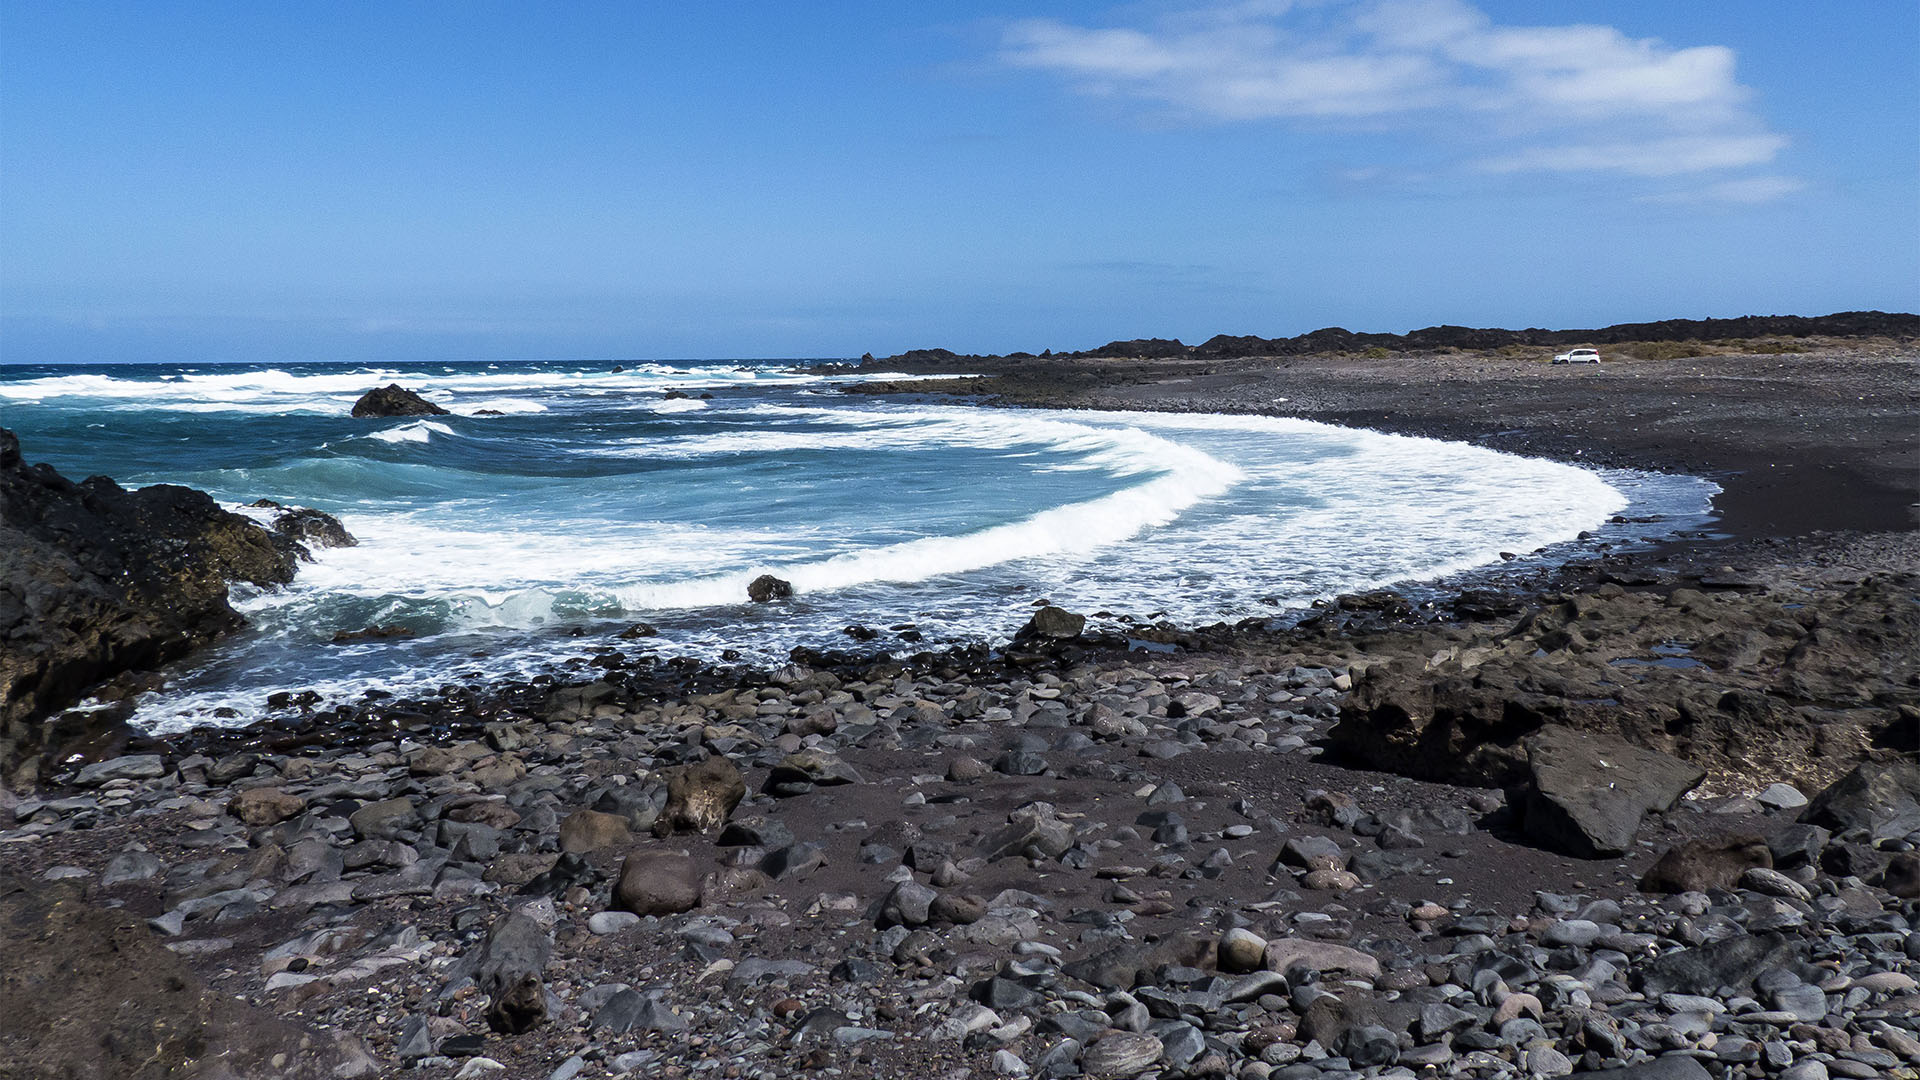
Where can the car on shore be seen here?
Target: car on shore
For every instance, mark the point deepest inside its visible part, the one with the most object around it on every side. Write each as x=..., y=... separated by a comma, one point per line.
x=1578, y=356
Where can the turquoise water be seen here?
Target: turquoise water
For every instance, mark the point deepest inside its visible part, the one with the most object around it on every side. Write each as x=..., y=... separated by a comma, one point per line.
x=561, y=502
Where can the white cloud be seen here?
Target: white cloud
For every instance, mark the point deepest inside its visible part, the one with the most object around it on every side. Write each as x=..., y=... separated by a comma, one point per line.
x=1673, y=155
x=1547, y=98
x=1745, y=191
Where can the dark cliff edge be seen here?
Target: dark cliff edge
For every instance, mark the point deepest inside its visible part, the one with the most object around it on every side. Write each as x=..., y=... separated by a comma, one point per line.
x=1334, y=339
x=98, y=583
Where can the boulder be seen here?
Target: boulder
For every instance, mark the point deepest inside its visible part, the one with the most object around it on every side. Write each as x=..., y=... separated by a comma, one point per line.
x=590, y=830
x=766, y=588
x=394, y=400
x=1121, y=1054
x=799, y=773
x=657, y=883
x=1715, y=862
x=1730, y=965
x=508, y=966
x=1882, y=797
x=1055, y=623
x=1457, y=728
x=1588, y=793
x=700, y=797
x=1285, y=954
x=1902, y=876
x=98, y=582
x=260, y=807
x=1032, y=830
x=312, y=528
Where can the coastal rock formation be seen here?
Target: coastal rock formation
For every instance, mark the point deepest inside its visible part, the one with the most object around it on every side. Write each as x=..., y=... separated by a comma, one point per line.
x=96, y=581
x=394, y=400
x=766, y=588
x=312, y=528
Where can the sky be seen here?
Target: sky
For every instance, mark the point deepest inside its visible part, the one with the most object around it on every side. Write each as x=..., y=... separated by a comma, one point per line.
x=377, y=182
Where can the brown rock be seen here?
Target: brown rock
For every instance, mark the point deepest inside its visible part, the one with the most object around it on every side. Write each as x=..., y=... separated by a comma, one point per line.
x=265, y=806
x=657, y=883
x=700, y=797
x=1715, y=862
x=590, y=830
x=1286, y=953
x=521, y=1007
x=497, y=772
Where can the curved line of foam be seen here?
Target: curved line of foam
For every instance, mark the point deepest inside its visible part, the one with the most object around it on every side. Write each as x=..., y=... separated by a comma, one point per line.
x=1073, y=528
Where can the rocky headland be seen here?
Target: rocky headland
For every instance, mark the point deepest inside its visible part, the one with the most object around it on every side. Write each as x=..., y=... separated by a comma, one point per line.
x=1654, y=811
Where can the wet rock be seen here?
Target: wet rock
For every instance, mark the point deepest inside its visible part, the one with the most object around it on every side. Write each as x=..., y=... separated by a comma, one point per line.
x=766, y=588
x=657, y=883
x=1053, y=623
x=1716, y=862
x=103, y=582
x=701, y=796
x=394, y=400
x=1588, y=793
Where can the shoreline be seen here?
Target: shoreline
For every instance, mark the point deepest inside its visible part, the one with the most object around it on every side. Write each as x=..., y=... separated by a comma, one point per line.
x=1248, y=863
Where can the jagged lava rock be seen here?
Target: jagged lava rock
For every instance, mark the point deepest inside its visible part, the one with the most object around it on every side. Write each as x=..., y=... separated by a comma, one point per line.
x=96, y=581
x=394, y=400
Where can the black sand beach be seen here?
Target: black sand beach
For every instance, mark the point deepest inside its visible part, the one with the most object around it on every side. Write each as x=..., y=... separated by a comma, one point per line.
x=1396, y=839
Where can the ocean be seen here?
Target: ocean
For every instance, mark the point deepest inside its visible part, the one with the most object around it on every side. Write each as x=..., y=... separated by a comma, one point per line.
x=562, y=503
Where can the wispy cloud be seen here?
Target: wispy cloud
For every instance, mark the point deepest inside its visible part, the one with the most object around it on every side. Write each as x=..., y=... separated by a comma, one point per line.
x=1532, y=98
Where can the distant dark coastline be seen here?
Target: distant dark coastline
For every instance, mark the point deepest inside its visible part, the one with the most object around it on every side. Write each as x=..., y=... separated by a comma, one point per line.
x=1334, y=339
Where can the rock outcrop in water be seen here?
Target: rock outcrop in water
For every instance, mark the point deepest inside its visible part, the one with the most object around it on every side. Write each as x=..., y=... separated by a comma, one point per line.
x=395, y=400
x=97, y=581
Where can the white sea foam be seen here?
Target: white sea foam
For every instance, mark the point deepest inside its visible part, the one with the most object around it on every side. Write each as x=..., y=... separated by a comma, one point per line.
x=677, y=405
x=417, y=432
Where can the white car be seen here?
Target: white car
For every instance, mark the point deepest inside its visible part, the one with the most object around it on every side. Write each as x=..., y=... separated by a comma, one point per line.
x=1578, y=356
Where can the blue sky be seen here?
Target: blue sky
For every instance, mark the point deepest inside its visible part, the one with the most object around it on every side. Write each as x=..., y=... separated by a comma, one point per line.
x=305, y=181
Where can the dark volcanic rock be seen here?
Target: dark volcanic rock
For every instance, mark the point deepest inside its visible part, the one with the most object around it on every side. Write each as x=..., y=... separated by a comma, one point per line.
x=95, y=581
x=1053, y=622
x=395, y=400
x=767, y=588
x=1882, y=797
x=313, y=528
x=1588, y=792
